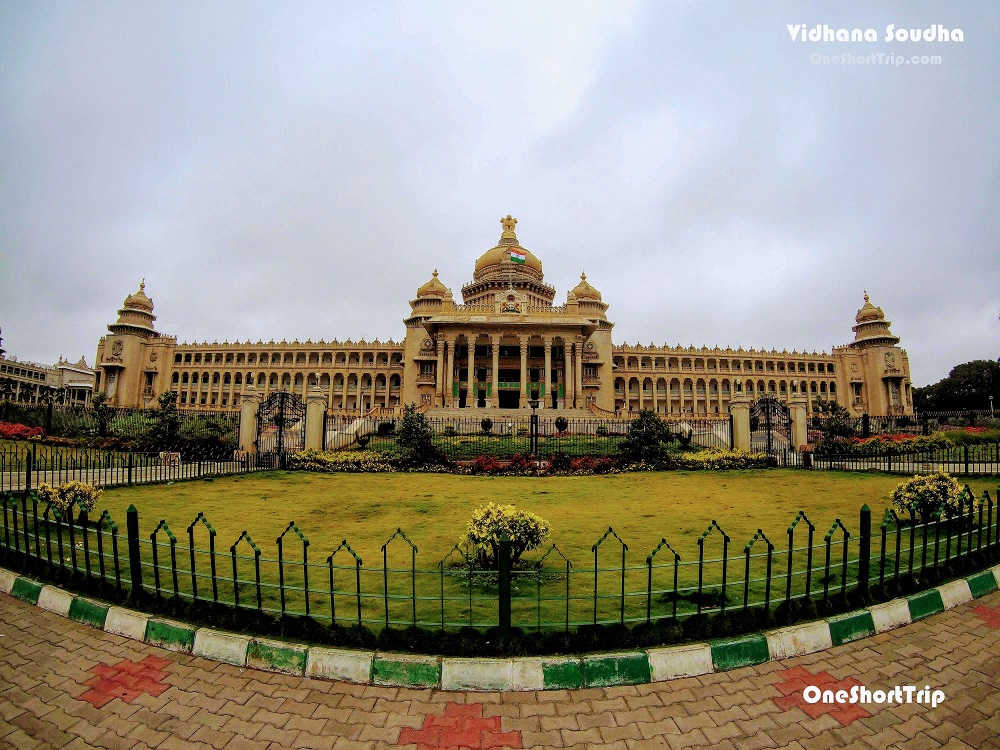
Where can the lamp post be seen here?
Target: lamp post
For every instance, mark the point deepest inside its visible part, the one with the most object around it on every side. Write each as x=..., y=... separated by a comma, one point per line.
x=533, y=431
x=991, y=407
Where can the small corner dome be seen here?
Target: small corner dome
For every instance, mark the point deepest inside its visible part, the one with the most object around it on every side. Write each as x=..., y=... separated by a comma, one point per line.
x=139, y=299
x=433, y=288
x=584, y=290
x=869, y=312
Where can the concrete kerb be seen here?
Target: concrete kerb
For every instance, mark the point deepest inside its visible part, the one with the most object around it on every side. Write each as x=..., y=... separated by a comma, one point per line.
x=516, y=674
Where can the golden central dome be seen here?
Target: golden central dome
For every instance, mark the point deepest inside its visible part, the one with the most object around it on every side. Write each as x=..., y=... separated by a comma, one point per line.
x=500, y=255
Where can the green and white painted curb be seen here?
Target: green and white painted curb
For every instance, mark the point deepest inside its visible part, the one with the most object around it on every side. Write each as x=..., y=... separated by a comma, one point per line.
x=528, y=673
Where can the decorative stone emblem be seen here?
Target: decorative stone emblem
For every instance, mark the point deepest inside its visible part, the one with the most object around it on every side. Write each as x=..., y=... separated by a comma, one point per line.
x=590, y=346
x=116, y=349
x=854, y=367
x=890, y=361
x=511, y=305
x=427, y=344
x=152, y=356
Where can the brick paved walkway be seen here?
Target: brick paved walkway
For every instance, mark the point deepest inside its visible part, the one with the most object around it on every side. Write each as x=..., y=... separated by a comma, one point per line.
x=64, y=684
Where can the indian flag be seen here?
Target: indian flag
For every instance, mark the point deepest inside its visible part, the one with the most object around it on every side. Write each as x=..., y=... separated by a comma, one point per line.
x=518, y=256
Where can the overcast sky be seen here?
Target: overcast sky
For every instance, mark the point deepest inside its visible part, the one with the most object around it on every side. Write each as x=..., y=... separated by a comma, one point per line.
x=297, y=170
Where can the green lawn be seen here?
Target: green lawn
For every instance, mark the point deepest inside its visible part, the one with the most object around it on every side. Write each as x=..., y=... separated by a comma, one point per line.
x=432, y=509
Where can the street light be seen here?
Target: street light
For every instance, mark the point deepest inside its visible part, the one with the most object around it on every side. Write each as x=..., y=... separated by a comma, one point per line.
x=991, y=407
x=533, y=431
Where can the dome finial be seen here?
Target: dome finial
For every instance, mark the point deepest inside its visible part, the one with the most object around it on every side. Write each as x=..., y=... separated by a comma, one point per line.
x=435, y=274
x=142, y=284
x=508, y=223
x=866, y=295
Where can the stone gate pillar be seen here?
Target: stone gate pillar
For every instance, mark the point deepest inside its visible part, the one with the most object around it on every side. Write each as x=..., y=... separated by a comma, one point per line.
x=315, y=413
x=248, y=418
x=739, y=407
x=798, y=405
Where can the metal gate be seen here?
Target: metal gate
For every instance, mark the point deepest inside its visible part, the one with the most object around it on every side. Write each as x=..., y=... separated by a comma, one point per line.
x=770, y=426
x=281, y=426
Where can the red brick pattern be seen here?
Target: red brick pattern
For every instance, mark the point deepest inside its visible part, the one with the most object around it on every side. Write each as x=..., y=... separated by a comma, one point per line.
x=126, y=680
x=460, y=726
x=798, y=679
x=46, y=662
x=989, y=615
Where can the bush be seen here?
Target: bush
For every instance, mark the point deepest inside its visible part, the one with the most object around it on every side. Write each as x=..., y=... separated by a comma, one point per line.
x=416, y=440
x=591, y=465
x=925, y=495
x=560, y=462
x=385, y=428
x=488, y=524
x=487, y=425
x=561, y=424
x=646, y=440
x=601, y=431
x=486, y=465
x=10, y=431
x=449, y=430
x=334, y=461
x=63, y=496
x=716, y=459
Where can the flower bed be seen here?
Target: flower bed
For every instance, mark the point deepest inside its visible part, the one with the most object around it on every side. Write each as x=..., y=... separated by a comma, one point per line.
x=13, y=431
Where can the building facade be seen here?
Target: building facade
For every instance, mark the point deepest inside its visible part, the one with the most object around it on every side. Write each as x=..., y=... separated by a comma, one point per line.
x=70, y=383
x=505, y=345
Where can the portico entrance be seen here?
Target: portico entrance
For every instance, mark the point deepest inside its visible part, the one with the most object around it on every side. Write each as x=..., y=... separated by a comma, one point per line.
x=510, y=399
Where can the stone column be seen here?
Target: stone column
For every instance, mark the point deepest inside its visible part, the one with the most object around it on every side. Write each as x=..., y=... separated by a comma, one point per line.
x=470, y=396
x=568, y=375
x=248, y=418
x=547, y=400
x=450, y=379
x=739, y=407
x=800, y=435
x=439, y=375
x=578, y=374
x=524, y=372
x=495, y=346
x=315, y=411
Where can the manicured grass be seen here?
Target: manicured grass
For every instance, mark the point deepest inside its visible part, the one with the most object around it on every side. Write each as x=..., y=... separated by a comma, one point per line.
x=432, y=509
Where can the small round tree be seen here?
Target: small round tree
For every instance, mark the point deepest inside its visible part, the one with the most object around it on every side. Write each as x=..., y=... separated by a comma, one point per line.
x=488, y=524
x=487, y=425
x=416, y=439
x=646, y=440
x=561, y=424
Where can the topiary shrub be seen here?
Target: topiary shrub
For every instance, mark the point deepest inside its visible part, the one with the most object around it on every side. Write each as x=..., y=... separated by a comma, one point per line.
x=416, y=440
x=562, y=424
x=924, y=495
x=488, y=524
x=646, y=440
x=449, y=430
x=487, y=425
x=601, y=431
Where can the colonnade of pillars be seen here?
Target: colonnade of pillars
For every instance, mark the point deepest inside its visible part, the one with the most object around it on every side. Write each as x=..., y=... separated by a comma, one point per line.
x=445, y=391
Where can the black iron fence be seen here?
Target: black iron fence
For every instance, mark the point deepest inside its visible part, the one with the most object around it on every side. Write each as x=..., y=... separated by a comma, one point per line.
x=805, y=567
x=965, y=460
x=26, y=465
x=465, y=438
x=920, y=423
